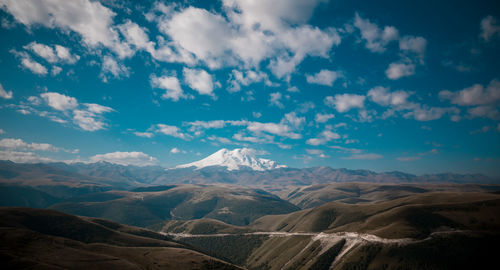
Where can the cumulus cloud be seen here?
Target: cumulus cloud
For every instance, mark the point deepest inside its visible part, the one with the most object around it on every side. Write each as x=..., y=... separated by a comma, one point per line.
x=238, y=78
x=294, y=120
x=171, y=86
x=398, y=70
x=413, y=44
x=59, y=102
x=90, y=19
x=34, y=66
x=489, y=28
x=382, y=96
x=246, y=33
x=87, y=116
x=345, y=102
x=484, y=99
x=275, y=100
x=323, y=118
x=53, y=54
x=176, y=150
x=126, y=158
x=376, y=39
x=199, y=80
x=111, y=67
x=324, y=77
x=172, y=131
x=324, y=137
x=4, y=93
x=23, y=157
x=18, y=144
x=474, y=95
x=279, y=129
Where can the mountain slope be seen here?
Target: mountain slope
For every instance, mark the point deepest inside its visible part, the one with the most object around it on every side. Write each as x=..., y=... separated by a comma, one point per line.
x=234, y=160
x=44, y=239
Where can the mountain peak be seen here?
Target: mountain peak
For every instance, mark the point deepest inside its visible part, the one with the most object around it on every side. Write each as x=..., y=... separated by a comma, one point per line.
x=235, y=160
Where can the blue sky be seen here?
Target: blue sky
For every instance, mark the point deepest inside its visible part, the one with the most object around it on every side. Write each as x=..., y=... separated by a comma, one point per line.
x=381, y=85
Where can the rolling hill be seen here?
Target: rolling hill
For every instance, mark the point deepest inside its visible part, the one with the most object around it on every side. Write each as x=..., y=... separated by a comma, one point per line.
x=46, y=239
x=149, y=206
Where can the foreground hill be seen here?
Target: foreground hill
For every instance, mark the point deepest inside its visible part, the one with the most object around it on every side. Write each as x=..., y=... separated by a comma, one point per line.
x=436, y=230
x=45, y=239
x=152, y=205
x=414, y=216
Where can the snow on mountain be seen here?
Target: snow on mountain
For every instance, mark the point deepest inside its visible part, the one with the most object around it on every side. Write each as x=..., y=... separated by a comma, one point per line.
x=235, y=160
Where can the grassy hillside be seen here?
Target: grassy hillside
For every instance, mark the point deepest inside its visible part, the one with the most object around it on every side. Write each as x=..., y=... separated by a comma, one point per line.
x=413, y=216
x=45, y=239
x=230, y=204
x=352, y=193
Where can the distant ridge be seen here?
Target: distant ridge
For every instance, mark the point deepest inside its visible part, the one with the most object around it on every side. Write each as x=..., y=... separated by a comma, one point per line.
x=235, y=160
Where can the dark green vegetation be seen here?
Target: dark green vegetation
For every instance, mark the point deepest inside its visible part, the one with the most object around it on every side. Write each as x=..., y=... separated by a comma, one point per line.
x=45, y=239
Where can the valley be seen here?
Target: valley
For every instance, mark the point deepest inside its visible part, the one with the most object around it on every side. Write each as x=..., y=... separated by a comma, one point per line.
x=268, y=218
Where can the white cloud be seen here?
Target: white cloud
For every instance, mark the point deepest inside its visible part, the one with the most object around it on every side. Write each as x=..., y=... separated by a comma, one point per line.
x=18, y=144
x=323, y=138
x=55, y=54
x=474, y=95
x=87, y=120
x=59, y=102
x=425, y=113
x=317, y=152
x=90, y=19
x=137, y=37
x=126, y=158
x=5, y=94
x=246, y=33
x=489, y=28
x=55, y=70
x=376, y=39
x=34, y=66
x=2, y=131
x=176, y=150
x=275, y=100
x=399, y=70
x=382, y=96
x=279, y=129
x=23, y=157
x=484, y=111
x=170, y=84
x=346, y=149
x=294, y=120
x=144, y=134
x=324, y=77
x=345, y=102
x=413, y=44
x=87, y=116
x=323, y=118
x=172, y=131
x=370, y=156
x=246, y=78
x=199, y=80
x=111, y=66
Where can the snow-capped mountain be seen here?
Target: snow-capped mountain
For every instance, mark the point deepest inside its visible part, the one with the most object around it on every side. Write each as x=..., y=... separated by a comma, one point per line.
x=235, y=160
